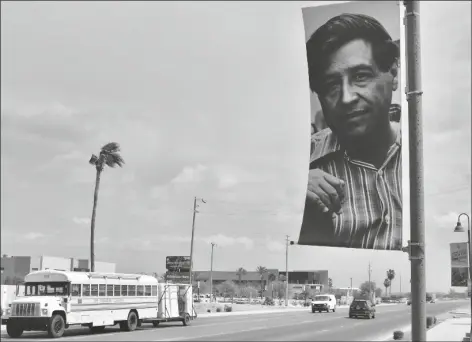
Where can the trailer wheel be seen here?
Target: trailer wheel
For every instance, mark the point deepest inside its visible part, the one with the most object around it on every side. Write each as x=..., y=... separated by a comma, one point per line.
x=131, y=323
x=14, y=330
x=57, y=326
x=155, y=324
x=186, y=320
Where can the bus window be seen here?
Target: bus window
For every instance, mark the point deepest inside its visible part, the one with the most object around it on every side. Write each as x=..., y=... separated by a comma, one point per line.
x=124, y=291
x=86, y=290
x=94, y=290
x=110, y=290
x=147, y=290
x=154, y=290
x=117, y=290
x=140, y=291
x=102, y=290
x=131, y=290
x=75, y=292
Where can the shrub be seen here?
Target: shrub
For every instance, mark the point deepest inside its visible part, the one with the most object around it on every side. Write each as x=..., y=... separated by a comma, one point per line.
x=228, y=308
x=398, y=335
x=218, y=309
x=429, y=321
x=268, y=301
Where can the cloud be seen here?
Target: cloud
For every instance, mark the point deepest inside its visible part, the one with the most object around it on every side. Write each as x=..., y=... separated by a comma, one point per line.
x=274, y=246
x=448, y=220
x=227, y=181
x=190, y=174
x=81, y=220
x=226, y=241
x=33, y=236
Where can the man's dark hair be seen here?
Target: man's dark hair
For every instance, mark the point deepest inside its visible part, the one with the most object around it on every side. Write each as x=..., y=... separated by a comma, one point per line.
x=340, y=30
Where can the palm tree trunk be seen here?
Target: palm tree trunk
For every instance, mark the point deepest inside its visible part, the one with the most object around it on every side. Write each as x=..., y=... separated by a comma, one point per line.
x=92, y=224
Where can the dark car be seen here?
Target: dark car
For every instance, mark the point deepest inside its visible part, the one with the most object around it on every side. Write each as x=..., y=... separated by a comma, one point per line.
x=362, y=308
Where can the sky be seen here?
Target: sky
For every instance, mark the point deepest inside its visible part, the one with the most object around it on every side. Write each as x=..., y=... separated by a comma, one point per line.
x=206, y=99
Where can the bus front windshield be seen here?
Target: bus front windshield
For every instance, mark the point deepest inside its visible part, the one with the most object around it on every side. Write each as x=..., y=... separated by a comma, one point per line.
x=47, y=289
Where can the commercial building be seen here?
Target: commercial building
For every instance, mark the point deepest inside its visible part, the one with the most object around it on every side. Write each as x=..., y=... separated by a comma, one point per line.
x=15, y=268
x=299, y=281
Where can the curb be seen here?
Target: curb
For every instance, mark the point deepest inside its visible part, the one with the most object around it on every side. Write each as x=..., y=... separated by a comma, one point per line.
x=260, y=312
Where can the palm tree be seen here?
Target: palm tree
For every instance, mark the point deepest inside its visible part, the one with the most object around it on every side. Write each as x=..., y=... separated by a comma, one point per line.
x=386, y=285
x=271, y=278
x=330, y=285
x=391, y=276
x=109, y=156
x=240, y=272
x=261, y=270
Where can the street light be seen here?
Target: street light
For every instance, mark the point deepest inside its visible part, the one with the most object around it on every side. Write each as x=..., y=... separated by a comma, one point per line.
x=211, y=272
x=291, y=243
x=460, y=229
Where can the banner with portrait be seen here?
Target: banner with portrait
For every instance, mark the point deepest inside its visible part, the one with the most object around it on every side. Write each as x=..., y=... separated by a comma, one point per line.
x=354, y=192
x=459, y=264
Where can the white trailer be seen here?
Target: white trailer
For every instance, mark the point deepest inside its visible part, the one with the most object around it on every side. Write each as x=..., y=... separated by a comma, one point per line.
x=175, y=304
x=55, y=300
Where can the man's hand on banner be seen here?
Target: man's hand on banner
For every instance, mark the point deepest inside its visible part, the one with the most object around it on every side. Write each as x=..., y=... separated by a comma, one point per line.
x=325, y=191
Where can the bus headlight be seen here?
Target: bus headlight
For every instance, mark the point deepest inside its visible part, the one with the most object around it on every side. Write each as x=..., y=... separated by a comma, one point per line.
x=44, y=311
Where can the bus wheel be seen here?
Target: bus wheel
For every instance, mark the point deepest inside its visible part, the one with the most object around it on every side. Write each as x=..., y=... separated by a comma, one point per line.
x=13, y=329
x=132, y=322
x=186, y=320
x=56, y=326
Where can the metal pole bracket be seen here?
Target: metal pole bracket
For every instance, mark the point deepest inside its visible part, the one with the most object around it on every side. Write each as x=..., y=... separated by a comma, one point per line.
x=408, y=250
x=415, y=92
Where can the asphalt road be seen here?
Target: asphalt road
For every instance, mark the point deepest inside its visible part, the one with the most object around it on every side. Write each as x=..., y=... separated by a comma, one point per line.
x=284, y=326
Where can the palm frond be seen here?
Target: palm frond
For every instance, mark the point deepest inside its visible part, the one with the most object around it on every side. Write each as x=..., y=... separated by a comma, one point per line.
x=93, y=159
x=113, y=159
x=111, y=147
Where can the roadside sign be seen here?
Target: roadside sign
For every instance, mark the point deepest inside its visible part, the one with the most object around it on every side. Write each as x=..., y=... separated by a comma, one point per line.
x=178, y=263
x=178, y=276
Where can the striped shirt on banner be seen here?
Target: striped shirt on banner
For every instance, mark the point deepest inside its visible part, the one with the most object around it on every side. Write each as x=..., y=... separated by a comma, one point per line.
x=371, y=216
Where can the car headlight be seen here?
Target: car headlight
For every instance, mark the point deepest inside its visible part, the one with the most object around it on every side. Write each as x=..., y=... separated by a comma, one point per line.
x=44, y=311
x=8, y=311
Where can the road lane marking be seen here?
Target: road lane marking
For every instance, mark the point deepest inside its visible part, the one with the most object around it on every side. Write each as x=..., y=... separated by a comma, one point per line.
x=183, y=338
x=211, y=335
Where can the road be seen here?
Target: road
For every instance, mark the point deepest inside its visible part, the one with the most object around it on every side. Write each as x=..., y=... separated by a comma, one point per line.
x=283, y=326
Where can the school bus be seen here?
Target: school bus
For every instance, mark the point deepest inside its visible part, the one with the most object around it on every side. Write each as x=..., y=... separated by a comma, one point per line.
x=55, y=300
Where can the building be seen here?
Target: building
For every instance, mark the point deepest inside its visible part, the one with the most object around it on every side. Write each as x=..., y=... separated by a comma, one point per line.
x=299, y=281
x=15, y=268
x=250, y=278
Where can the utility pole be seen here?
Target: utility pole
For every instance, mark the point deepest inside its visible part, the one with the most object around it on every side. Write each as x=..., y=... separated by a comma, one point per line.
x=416, y=247
x=400, y=284
x=351, y=292
x=211, y=272
x=195, y=206
x=286, y=270
x=370, y=284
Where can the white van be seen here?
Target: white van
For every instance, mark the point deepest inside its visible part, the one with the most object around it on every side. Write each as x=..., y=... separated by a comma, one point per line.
x=324, y=302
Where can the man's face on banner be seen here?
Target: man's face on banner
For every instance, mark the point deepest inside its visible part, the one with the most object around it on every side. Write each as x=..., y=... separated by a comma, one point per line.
x=356, y=94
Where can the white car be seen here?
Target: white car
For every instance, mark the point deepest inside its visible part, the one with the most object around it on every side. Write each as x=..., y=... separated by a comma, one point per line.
x=326, y=302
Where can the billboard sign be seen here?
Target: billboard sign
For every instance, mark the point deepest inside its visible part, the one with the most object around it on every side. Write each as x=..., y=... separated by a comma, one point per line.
x=459, y=254
x=459, y=265
x=354, y=191
x=178, y=277
x=178, y=263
